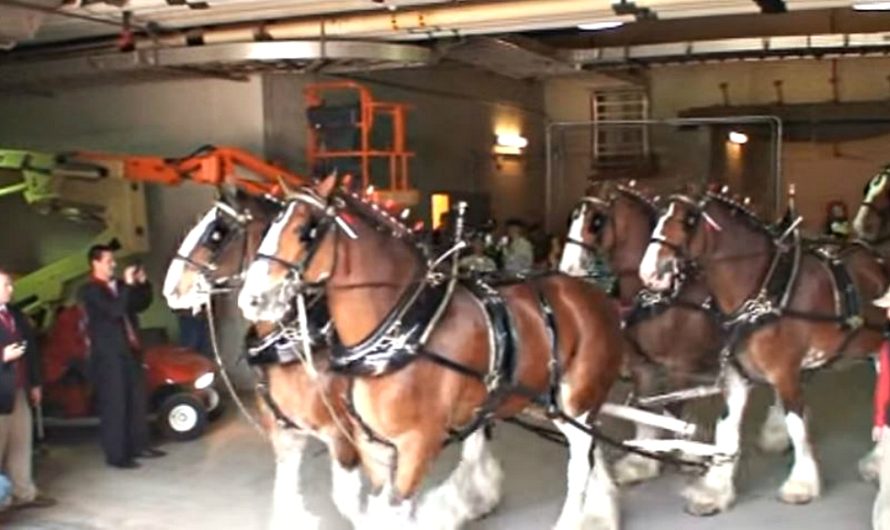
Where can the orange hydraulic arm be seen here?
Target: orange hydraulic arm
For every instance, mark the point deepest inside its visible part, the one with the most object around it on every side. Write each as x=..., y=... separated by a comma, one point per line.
x=396, y=152
x=209, y=165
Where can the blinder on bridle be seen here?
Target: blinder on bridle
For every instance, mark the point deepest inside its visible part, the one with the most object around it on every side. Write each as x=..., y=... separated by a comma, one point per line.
x=597, y=225
x=229, y=223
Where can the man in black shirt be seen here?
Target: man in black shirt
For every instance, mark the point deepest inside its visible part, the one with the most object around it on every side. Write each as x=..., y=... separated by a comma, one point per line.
x=111, y=308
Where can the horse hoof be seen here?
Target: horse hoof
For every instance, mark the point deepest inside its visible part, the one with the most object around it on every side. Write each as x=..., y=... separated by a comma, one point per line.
x=870, y=467
x=703, y=501
x=488, y=479
x=798, y=492
x=774, y=441
x=307, y=520
x=634, y=469
x=597, y=523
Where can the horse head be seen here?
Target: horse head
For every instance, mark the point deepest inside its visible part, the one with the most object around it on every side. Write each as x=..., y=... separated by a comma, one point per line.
x=873, y=217
x=214, y=251
x=678, y=238
x=617, y=227
x=717, y=235
x=298, y=249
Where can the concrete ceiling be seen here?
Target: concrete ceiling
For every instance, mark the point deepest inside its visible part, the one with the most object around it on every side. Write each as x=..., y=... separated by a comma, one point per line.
x=518, y=38
x=418, y=19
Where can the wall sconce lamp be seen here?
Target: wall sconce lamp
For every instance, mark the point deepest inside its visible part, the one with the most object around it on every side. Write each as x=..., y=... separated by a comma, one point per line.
x=510, y=144
x=738, y=138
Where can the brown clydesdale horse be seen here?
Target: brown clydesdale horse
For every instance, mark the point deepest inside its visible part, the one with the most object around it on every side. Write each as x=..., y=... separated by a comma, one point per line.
x=295, y=402
x=678, y=334
x=371, y=271
x=790, y=312
x=212, y=257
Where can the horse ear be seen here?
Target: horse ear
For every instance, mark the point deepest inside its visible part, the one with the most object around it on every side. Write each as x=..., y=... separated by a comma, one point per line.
x=327, y=185
x=285, y=188
x=227, y=193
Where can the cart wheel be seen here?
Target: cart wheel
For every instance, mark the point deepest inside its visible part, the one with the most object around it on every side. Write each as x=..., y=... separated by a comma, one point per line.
x=182, y=417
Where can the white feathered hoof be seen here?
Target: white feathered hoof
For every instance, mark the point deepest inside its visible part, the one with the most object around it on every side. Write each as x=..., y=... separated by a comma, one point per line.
x=488, y=479
x=774, y=439
x=870, y=467
x=703, y=500
x=799, y=492
x=634, y=469
x=586, y=522
x=303, y=520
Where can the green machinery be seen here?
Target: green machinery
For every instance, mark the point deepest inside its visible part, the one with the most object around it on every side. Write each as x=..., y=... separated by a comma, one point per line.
x=81, y=187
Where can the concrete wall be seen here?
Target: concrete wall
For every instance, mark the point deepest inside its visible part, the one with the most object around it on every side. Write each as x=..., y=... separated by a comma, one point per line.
x=455, y=114
x=823, y=171
x=169, y=118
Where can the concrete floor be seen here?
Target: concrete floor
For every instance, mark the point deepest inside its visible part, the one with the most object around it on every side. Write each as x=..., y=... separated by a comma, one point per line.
x=224, y=480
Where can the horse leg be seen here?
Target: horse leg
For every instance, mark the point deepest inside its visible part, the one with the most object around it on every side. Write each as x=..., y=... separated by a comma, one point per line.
x=774, y=435
x=288, y=504
x=580, y=446
x=715, y=491
x=633, y=468
x=601, y=508
x=590, y=494
x=346, y=477
x=394, y=506
x=346, y=490
x=803, y=484
x=870, y=464
x=473, y=489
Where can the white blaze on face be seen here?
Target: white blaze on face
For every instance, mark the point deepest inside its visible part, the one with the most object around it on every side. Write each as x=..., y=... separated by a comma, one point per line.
x=257, y=281
x=649, y=264
x=177, y=299
x=572, y=260
x=875, y=188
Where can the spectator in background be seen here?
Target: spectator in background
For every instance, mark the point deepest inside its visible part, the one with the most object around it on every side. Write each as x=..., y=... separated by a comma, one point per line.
x=554, y=254
x=194, y=333
x=518, y=253
x=837, y=221
x=116, y=367
x=5, y=493
x=477, y=262
x=19, y=389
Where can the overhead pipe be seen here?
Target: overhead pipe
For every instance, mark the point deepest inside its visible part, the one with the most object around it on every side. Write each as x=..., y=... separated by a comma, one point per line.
x=415, y=23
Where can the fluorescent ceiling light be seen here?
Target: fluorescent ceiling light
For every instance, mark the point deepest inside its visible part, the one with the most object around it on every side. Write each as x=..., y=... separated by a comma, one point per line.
x=601, y=25
x=872, y=6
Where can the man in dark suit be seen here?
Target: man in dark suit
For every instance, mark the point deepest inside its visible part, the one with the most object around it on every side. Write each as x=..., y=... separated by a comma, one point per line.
x=19, y=380
x=111, y=307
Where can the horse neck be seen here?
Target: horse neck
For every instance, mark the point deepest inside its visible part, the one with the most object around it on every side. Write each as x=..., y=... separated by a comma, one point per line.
x=370, y=275
x=738, y=264
x=632, y=239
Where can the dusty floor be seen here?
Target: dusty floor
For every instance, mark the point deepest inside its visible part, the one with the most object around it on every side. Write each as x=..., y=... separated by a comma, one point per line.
x=223, y=481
